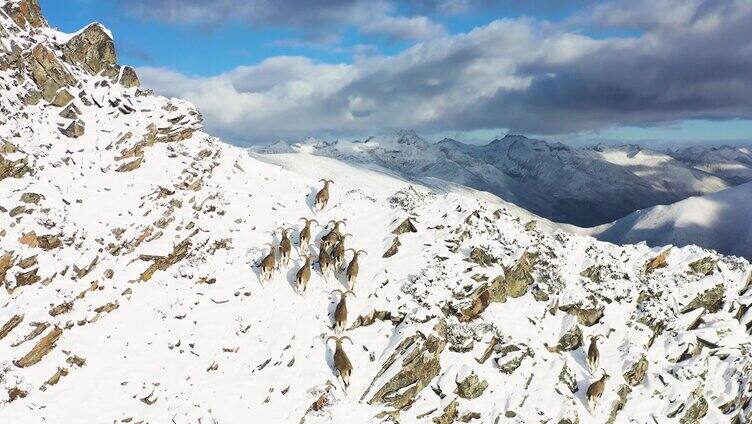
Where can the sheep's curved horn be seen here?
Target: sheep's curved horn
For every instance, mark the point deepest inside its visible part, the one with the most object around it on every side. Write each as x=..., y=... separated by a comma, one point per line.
x=332, y=337
x=338, y=291
x=349, y=291
x=363, y=252
x=346, y=338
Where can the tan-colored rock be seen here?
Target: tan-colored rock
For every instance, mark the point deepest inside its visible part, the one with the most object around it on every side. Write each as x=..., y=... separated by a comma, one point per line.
x=92, y=49
x=393, y=248
x=471, y=387
x=25, y=11
x=48, y=242
x=162, y=263
x=420, y=364
x=6, y=262
x=130, y=166
x=406, y=226
x=74, y=130
x=10, y=325
x=128, y=77
x=42, y=348
x=27, y=278
x=47, y=71
x=13, y=168
x=657, y=262
x=62, y=98
x=32, y=198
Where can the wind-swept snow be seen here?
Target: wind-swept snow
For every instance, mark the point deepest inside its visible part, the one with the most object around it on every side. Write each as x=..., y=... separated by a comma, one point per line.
x=129, y=261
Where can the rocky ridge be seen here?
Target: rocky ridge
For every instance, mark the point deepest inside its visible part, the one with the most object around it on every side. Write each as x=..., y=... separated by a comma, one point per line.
x=129, y=247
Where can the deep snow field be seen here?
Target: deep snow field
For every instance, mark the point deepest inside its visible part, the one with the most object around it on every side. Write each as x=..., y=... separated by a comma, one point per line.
x=131, y=292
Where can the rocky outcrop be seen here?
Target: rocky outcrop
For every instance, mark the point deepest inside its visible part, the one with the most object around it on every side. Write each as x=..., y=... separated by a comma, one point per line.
x=471, y=387
x=420, y=364
x=74, y=130
x=25, y=11
x=92, y=49
x=47, y=71
x=128, y=77
x=711, y=300
x=13, y=168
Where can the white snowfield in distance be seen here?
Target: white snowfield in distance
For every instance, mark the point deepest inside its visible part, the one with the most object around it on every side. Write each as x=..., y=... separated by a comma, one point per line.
x=129, y=252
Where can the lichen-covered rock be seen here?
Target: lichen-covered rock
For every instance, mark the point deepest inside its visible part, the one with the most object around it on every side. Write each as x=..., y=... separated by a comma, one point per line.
x=635, y=374
x=32, y=198
x=70, y=112
x=511, y=358
x=471, y=387
x=92, y=49
x=567, y=378
x=481, y=257
x=449, y=414
x=515, y=281
x=48, y=242
x=13, y=168
x=593, y=273
x=570, y=340
x=420, y=364
x=711, y=300
x=695, y=412
x=621, y=400
x=585, y=316
x=704, y=266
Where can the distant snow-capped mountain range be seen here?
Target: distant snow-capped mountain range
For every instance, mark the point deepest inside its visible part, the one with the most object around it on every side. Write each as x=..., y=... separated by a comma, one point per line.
x=581, y=186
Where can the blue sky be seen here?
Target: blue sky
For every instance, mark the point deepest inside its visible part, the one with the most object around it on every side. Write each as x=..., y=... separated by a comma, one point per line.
x=472, y=70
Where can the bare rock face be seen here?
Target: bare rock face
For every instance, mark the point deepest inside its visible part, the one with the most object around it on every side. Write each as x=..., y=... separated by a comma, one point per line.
x=128, y=77
x=48, y=72
x=25, y=11
x=62, y=98
x=420, y=364
x=13, y=168
x=92, y=49
x=471, y=387
x=74, y=130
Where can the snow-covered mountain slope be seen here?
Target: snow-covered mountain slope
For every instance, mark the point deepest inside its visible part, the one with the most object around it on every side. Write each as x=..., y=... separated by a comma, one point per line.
x=660, y=170
x=131, y=293
x=733, y=164
x=719, y=221
x=584, y=187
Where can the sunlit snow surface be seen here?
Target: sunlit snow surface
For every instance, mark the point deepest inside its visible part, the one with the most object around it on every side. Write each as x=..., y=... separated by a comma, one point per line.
x=204, y=340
